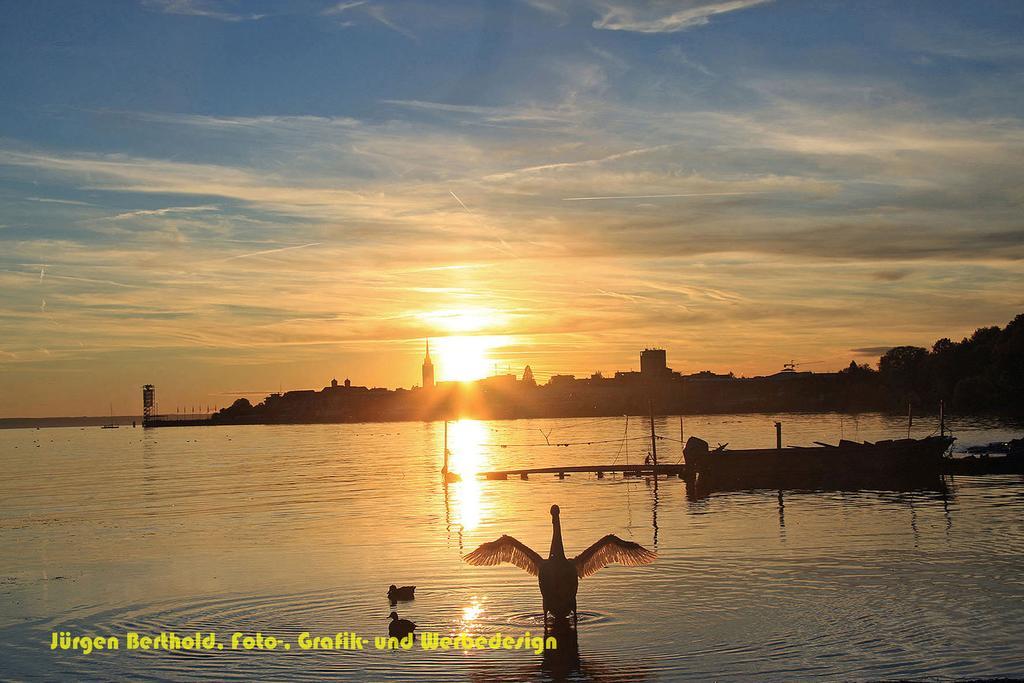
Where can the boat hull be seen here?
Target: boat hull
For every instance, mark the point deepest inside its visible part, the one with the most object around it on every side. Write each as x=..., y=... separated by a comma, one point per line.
x=885, y=463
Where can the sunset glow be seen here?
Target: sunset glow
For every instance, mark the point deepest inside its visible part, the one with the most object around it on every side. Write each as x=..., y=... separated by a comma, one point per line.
x=462, y=319
x=619, y=175
x=463, y=358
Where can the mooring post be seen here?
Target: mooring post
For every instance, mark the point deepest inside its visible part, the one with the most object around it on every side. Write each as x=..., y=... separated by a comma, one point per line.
x=910, y=417
x=778, y=435
x=942, y=418
x=654, y=443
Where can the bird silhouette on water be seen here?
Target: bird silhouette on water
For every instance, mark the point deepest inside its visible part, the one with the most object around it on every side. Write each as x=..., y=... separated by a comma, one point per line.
x=404, y=593
x=558, y=576
x=399, y=628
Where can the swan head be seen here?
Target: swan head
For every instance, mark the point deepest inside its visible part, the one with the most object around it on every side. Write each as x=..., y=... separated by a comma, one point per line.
x=554, y=511
x=393, y=616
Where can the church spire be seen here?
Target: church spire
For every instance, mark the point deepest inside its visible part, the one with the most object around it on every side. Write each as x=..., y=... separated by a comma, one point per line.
x=428, y=369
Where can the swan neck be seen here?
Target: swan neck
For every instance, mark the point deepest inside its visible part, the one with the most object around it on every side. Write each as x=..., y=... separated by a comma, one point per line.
x=557, y=551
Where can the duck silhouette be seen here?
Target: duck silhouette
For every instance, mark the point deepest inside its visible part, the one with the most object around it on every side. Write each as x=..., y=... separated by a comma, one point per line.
x=399, y=628
x=404, y=593
x=559, y=576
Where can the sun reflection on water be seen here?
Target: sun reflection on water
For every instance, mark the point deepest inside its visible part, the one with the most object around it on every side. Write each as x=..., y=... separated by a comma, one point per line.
x=466, y=441
x=472, y=612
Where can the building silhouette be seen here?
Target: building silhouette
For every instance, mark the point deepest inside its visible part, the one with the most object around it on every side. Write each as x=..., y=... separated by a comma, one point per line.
x=653, y=363
x=428, y=369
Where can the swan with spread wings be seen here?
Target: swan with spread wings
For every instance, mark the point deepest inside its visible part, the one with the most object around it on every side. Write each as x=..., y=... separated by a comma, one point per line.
x=559, y=576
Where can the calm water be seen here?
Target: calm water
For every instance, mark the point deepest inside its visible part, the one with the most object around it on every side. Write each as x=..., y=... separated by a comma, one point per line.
x=284, y=529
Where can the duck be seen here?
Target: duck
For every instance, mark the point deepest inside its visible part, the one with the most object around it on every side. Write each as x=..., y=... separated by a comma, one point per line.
x=559, y=576
x=404, y=593
x=399, y=628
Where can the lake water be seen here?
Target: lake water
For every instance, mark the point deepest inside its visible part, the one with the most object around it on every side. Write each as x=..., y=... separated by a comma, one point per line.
x=287, y=529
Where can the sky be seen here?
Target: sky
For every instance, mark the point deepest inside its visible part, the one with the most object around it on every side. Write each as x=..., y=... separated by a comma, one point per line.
x=229, y=198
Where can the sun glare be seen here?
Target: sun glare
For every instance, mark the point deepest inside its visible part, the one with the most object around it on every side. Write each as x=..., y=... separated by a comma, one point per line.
x=463, y=358
x=462, y=319
x=466, y=440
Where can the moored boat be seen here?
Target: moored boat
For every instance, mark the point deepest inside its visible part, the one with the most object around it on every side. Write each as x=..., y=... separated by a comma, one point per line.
x=879, y=462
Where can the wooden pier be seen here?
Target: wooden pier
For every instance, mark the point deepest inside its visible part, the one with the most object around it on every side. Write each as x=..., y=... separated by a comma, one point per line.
x=844, y=460
x=600, y=470
x=950, y=466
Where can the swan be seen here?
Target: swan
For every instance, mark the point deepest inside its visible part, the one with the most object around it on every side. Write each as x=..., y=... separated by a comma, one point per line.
x=558, y=576
x=449, y=477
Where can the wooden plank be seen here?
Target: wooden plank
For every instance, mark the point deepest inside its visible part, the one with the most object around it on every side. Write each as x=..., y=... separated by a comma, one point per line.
x=597, y=469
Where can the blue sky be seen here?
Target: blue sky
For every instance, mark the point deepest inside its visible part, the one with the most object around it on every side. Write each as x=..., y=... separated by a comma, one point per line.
x=227, y=197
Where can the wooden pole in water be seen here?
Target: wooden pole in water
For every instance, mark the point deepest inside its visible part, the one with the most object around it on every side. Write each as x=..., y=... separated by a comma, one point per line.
x=910, y=417
x=654, y=443
x=942, y=418
x=778, y=435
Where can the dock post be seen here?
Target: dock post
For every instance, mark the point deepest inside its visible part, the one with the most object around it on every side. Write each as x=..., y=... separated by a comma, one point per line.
x=654, y=444
x=910, y=417
x=778, y=435
x=942, y=418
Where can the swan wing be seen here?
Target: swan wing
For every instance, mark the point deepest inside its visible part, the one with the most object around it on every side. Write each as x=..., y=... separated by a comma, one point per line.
x=506, y=549
x=608, y=550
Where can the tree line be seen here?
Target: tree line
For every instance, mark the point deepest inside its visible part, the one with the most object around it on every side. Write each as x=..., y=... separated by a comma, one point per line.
x=980, y=373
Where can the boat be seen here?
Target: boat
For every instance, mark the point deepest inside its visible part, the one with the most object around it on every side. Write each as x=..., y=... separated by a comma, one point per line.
x=111, y=425
x=850, y=462
x=995, y=458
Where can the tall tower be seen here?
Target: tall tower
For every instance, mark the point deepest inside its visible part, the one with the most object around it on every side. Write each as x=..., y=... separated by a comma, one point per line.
x=653, y=363
x=148, y=403
x=428, y=370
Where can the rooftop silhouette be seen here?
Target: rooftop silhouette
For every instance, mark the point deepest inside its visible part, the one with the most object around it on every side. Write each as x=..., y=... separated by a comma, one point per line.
x=980, y=373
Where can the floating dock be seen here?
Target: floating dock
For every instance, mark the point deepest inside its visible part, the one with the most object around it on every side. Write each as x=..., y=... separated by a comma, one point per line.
x=675, y=470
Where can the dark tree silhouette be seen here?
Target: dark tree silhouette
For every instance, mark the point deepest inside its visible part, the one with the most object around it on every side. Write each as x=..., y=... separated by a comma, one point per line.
x=983, y=372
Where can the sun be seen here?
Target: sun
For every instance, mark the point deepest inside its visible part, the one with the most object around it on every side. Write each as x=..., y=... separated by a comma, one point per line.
x=463, y=358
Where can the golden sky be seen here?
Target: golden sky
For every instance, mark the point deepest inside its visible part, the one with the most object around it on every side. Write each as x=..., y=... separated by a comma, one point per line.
x=224, y=202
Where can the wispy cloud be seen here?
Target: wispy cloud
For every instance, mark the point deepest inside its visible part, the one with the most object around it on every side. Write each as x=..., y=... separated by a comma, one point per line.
x=199, y=8
x=666, y=17
x=659, y=196
x=51, y=200
x=373, y=10
x=169, y=210
x=342, y=7
x=272, y=251
x=237, y=124
x=871, y=350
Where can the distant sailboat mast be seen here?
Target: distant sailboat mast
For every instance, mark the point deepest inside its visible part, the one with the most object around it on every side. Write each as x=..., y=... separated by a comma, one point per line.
x=111, y=425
